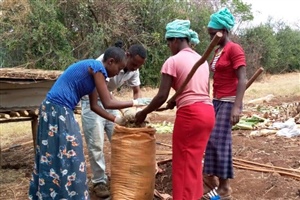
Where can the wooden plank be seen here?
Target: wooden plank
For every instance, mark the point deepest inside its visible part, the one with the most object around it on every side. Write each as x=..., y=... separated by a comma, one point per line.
x=23, y=73
x=4, y=115
x=11, y=85
x=14, y=114
x=34, y=112
x=17, y=119
x=23, y=113
x=16, y=97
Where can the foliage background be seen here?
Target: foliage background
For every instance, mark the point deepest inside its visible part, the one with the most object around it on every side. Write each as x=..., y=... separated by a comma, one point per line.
x=51, y=34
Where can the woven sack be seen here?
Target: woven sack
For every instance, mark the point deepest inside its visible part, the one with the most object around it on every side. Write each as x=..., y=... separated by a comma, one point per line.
x=132, y=163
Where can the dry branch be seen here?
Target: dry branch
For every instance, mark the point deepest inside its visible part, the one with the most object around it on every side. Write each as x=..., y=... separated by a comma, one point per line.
x=249, y=165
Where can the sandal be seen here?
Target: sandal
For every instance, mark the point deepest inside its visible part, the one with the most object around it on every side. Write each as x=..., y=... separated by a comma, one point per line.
x=213, y=195
x=209, y=183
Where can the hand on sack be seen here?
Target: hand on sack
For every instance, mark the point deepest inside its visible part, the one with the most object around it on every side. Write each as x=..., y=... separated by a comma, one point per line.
x=120, y=120
x=141, y=102
x=129, y=114
x=140, y=117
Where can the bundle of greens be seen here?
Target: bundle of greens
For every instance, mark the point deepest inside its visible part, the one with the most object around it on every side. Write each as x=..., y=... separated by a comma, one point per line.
x=164, y=127
x=248, y=123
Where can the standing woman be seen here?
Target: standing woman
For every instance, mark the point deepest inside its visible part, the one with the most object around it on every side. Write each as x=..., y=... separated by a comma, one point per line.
x=229, y=84
x=60, y=169
x=195, y=114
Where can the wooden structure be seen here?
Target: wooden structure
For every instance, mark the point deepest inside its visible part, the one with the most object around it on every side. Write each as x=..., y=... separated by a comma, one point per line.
x=21, y=93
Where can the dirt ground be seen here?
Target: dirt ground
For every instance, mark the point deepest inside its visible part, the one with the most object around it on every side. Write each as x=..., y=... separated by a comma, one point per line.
x=248, y=184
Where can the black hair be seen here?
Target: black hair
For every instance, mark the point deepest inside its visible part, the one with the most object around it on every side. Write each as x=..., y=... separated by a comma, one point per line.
x=114, y=52
x=119, y=44
x=137, y=49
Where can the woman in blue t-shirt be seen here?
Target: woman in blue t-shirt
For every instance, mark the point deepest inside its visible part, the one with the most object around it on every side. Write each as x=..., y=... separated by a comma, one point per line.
x=60, y=169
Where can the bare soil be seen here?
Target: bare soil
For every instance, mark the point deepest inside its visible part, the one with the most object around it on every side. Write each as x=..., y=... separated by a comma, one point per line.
x=17, y=161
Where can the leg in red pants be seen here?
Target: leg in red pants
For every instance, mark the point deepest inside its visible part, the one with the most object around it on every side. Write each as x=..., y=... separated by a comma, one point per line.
x=192, y=128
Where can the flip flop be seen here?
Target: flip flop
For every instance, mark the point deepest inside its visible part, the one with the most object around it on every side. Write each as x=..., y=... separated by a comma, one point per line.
x=209, y=183
x=213, y=195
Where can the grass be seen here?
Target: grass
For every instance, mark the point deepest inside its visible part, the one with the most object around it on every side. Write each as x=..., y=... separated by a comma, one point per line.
x=285, y=85
x=11, y=133
x=278, y=85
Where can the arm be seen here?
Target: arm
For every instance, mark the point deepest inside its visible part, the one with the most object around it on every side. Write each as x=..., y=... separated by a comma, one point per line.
x=241, y=87
x=158, y=100
x=105, y=96
x=93, y=97
x=136, y=92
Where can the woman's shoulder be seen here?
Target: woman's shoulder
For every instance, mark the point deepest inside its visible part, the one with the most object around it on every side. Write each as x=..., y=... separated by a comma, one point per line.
x=92, y=61
x=233, y=45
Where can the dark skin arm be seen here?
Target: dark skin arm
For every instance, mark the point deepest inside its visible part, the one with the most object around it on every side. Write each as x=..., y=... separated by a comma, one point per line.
x=93, y=97
x=241, y=87
x=159, y=99
x=106, y=99
x=136, y=92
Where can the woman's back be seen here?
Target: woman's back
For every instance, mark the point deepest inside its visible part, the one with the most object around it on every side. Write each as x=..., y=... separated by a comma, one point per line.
x=179, y=67
x=75, y=82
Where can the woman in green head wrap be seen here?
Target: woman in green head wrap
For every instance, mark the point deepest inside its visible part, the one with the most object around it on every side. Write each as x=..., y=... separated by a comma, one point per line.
x=181, y=29
x=229, y=84
x=195, y=114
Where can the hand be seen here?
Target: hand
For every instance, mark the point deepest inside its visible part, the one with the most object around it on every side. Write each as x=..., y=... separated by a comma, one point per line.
x=140, y=117
x=119, y=121
x=235, y=115
x=141, y=102
x=129, y=114
x=171, y=105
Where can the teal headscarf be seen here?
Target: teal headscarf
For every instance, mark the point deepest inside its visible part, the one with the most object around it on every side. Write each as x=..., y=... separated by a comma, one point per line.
x=221, y=19
x=181, y=29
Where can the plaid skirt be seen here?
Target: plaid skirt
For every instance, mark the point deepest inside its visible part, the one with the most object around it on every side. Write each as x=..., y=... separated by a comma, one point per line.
x=59, y=169
x=218, y=153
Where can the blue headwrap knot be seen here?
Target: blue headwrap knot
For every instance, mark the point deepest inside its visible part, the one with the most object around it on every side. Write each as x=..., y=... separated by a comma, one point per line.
x=223, y=19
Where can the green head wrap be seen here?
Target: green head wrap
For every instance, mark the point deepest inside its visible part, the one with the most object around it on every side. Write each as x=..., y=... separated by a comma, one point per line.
x=221, y=19
x=181, y=29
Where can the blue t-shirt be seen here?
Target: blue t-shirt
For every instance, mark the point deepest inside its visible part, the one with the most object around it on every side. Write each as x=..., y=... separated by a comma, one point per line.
x=75, y=82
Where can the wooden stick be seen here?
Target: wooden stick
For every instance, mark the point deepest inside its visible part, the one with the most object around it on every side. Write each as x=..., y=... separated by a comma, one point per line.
x=17, y=145
x=163, y=144
x=250, y=164
x=161, y=152
x=267, y=170
x=249, y=83
x=204, y=57
x=254, y=77
x=34, y=112
x=4, y=115
x=264, y=165
x=34, y=126
x=14, y=114
x=18, y=119
x=23, y=113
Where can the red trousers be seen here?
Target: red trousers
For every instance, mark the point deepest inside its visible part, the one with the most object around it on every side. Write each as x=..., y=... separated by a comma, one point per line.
x=192, y=129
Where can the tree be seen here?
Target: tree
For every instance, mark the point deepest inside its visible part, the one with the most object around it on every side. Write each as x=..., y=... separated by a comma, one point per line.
x=289, y=45
x=33, y=36
x=261, y=47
